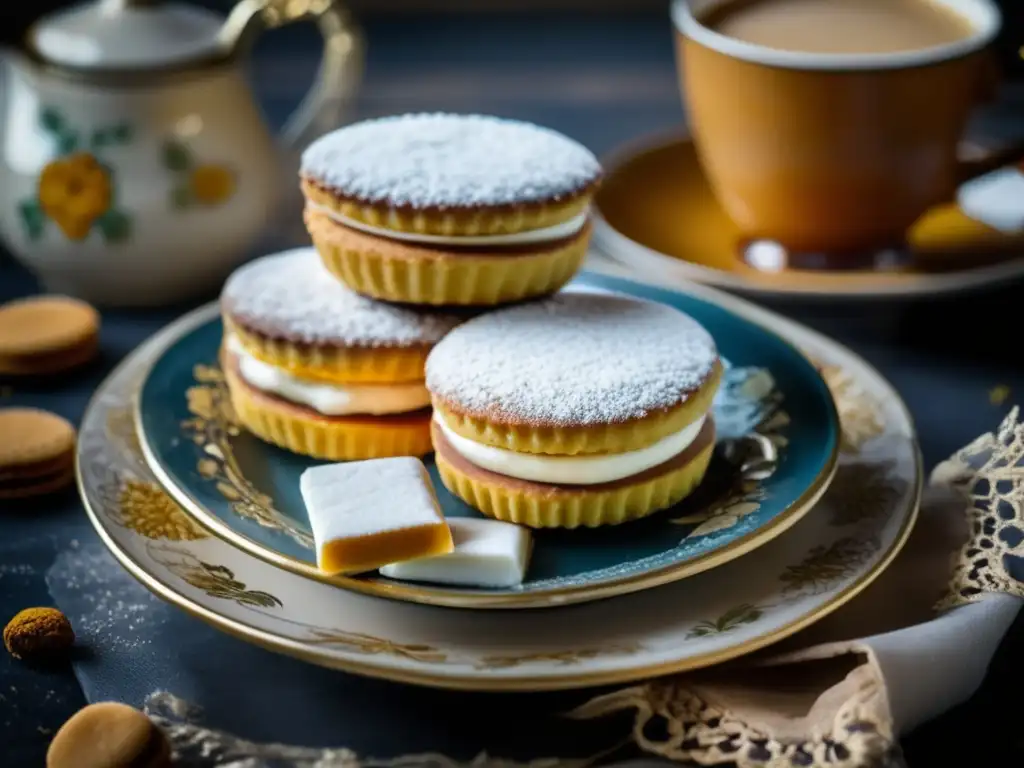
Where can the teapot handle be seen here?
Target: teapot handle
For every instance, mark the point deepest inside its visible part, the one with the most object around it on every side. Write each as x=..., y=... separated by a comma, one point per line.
x=341, y=66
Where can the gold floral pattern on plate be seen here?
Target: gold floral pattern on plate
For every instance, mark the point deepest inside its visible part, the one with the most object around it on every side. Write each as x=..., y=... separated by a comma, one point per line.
x=563, y=658
x=742, y=499
x=151, y=513
x=215, y=580
x=824, y=568
x=212, y=426
x=827, y=565
x=859, y=412
x=744, y=613
x=867, y=490
x=121, y=427
x=757, y=459
x=864, y=489
x=430, y=654
x=139, y=505
x=372, y=646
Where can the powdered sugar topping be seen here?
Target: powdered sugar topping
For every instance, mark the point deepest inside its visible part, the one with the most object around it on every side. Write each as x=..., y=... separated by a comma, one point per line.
x=292, y=295
x=575, y=359
x=449, y=161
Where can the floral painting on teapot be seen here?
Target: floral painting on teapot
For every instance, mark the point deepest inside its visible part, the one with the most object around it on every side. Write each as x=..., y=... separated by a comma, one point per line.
x=77, y=190
x=197, y=183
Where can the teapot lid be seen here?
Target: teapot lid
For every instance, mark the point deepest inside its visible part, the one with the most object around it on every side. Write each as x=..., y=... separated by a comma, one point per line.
x=126, y=34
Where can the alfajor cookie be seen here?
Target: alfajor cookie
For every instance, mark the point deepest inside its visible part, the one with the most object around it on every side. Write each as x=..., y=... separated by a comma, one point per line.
x=37, y=453
x=449, y=209
x=319, y=370
x=579, y=410
x=45, y=335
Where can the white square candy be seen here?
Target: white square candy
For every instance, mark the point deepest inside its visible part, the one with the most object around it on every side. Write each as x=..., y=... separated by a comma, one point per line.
x=365, y=514
x=488, y=553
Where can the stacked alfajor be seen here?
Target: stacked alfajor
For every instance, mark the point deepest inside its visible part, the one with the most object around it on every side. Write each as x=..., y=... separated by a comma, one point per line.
x=441, y=209
x=578, y=410
x=317, y=369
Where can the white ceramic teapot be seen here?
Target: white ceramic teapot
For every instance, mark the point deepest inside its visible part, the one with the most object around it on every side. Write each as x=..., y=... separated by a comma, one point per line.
x=136, y=168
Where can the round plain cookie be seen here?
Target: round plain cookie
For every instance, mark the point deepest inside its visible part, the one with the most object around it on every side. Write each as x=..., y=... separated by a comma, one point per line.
x=449, y=174
x=109, y=735
x=574, y=374
x=289, y=311
x=36, y=452
x=44, y=335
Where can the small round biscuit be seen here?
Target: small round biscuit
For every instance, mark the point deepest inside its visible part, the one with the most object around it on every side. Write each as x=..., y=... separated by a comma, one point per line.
x=36, y=452
x=44, y=335
x=109, y=735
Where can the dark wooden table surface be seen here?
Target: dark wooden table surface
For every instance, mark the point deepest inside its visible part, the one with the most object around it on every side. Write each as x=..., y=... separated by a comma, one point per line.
x=603, y=80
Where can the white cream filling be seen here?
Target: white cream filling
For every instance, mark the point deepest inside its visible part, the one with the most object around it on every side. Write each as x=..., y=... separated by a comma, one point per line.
x=329, y=399
x=585, y=469
x=544, y=235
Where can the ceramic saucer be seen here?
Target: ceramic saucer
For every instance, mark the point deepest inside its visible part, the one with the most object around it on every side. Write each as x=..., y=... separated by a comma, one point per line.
x=778, y=440
x=656, y=215
x=823, y=561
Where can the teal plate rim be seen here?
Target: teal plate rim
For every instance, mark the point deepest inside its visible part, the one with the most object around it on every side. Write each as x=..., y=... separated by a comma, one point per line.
x=687, y=558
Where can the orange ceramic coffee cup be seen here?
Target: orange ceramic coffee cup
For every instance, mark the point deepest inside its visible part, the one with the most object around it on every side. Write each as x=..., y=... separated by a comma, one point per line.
x=830, y=153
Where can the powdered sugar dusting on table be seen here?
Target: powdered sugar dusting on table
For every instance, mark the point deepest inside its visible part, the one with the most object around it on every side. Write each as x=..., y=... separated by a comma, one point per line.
x=292, y=294
x=449, y=161
x=575, y=359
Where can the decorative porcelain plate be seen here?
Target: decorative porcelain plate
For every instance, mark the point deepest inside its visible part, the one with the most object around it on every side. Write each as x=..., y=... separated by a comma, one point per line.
x=778, y=441
x=829, y=556
x=656, y=215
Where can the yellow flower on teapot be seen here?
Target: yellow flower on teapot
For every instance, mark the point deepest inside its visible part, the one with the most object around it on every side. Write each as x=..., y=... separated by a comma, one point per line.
x=75, y=191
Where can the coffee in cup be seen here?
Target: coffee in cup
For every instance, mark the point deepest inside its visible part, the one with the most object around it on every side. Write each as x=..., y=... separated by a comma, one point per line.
x=828, y=127
x=839, y=26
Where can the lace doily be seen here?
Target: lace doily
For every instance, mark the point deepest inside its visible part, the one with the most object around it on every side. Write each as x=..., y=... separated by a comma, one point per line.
x=989, y=475
x=673, y=722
